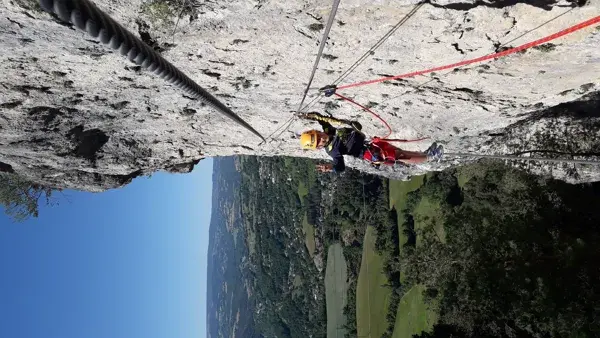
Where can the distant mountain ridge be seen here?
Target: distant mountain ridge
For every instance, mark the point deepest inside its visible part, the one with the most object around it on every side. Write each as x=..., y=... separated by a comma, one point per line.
x=229, y=310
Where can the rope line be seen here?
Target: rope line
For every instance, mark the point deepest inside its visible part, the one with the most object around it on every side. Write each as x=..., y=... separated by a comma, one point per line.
x=558, y=152
x=316, y=100
x=178, y=18
x=378, y=43
x=404, y=140
x=289, y=122
x=538, y=42
x=516, y=157
x=268, y=138
x=534, y=43
x=517, y=38
x=536, y=28
x=385, y=138
x=502, y=45
x=369, y=110
x=334, y=8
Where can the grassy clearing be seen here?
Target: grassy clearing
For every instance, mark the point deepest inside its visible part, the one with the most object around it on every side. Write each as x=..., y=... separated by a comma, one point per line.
x=400, y=189
x=372, y=297
x=465, y=173
x=336, y=291
x=414, y=316
x=309, y=236
x=429, y=213
x=297, y=286
x=463, y=178
x=302, y=191
x=398, y=194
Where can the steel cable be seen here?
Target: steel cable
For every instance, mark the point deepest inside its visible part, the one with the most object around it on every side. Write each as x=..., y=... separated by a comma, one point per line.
x=87, y=17
x=520, y=158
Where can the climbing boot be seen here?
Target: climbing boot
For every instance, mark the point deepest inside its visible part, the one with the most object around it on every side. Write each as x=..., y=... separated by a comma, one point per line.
x=435, y=152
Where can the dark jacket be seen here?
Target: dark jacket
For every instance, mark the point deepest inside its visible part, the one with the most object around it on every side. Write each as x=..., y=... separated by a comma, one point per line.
x=343, y=141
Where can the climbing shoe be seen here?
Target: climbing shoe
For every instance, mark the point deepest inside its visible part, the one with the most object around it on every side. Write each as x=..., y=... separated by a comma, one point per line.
x=435, y=152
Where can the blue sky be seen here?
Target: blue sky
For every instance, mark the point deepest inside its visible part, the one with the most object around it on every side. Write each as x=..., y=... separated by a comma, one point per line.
x=129, y=262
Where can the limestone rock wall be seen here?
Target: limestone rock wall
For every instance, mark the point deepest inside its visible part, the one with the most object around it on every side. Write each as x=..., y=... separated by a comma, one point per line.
x=75, y=114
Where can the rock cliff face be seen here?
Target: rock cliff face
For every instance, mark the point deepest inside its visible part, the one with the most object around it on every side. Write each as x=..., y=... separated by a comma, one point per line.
x=76, y=114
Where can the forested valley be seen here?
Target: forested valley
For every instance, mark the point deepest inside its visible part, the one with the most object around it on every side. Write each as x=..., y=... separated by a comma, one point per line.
x=483, y=250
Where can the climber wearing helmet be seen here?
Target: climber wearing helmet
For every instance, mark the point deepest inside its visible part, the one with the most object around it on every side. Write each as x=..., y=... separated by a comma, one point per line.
x=352, y=141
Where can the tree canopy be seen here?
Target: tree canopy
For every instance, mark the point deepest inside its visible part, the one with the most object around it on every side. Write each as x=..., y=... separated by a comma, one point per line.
x=20, y=197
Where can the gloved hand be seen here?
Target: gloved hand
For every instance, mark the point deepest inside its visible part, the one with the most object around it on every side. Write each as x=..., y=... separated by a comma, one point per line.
x=308, y=116
x=356, y=125
x=324, y=168
x=313, y=115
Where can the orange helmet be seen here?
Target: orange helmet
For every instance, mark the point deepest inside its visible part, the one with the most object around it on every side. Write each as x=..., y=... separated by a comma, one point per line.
x=309, y=139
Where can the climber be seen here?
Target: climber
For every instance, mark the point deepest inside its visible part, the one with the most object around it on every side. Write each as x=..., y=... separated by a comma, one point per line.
x=352, y=141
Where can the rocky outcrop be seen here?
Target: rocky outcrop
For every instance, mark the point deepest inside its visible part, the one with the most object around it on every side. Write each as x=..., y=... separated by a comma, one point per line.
x=74, y=114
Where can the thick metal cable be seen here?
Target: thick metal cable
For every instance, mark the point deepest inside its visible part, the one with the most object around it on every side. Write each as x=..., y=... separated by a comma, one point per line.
x=334, y=8
x=87, y=17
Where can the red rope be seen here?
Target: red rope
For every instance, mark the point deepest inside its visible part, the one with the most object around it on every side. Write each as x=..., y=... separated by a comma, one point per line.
x=370, y=111
x=382, y=120
x=482, y=58
x=402, y=140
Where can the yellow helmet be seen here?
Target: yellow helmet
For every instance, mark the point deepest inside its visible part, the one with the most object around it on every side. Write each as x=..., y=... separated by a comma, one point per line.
x=308, y=139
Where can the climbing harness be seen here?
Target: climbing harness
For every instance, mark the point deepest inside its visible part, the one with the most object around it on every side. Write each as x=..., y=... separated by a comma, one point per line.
x=377, y=151
x=86, y=16
x=380, y=152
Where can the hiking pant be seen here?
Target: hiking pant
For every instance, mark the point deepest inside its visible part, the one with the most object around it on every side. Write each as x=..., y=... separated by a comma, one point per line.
x=381, y=151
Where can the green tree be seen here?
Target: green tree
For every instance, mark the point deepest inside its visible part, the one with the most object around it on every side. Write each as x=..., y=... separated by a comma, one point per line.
x=519, y=256
x=21, y=197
